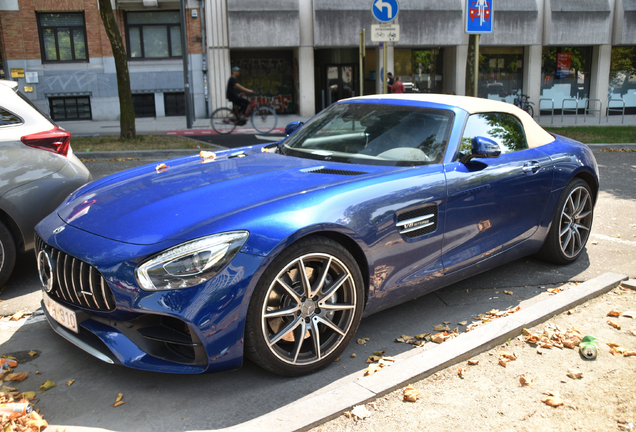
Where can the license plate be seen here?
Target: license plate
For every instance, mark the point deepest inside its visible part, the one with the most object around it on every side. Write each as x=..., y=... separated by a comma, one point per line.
x=63, y=315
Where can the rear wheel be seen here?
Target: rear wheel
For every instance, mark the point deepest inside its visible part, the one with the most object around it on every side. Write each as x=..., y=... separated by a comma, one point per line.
x=571, y=224
x=7, y=254
x=223, y=120
x=264, y=119
x=306, y=308
x=530, y=110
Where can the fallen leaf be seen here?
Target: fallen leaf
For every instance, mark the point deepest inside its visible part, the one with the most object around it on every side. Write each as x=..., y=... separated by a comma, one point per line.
x=37, y=421
x=120, y=396
x=614, y=313
x=70, y=383
x=508, y=292
x=629, y=353
x=473, y=362
x=353, y=355
x=554, y=290
x=441, y=328
x=48, y=384
x=553, y=401
x=362, y=341
x=575, y=374
x=207, y=154
x=373, y=368
x=32, y=353
x=629, y=314
x=18, y=316
x=461, y=372
x=373, y=359
x=633, y=332
x=410, y=394
x=595, y=242
x=525, y=381
x=462, y=323
x=508, y=356
x=612, y=344
x=161, y=167
x=613, y=324
x=28, y=395
x=440, y=337
x=19, y=376
x=378, y=353
x=120, y=403
x=503, y=362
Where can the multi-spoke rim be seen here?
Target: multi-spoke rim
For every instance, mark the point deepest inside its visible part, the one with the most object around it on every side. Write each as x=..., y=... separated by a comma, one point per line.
x=308, y=309
x=576, y=222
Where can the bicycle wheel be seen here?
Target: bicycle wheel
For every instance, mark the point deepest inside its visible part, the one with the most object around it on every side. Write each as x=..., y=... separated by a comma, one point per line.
x=264, y=119
x=530, y=110
x=223, y=120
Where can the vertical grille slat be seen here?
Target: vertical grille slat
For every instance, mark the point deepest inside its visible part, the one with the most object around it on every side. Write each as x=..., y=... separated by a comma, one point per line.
x=76, y=281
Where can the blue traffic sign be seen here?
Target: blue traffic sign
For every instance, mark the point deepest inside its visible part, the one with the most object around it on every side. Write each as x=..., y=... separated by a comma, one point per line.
x=479, y=16
x=384, y=10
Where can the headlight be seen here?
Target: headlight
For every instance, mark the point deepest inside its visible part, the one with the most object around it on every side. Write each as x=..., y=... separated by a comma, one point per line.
x=190, y=263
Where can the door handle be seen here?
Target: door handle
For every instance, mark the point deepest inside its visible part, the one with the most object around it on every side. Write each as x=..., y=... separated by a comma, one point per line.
x=531, y=167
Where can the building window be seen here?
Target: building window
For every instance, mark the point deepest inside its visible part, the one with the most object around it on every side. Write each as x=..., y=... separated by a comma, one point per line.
x=174, y=104
x=62, y=37
x=566, y=74
x=144, y=105
x=153, y=35
x=500, y=73
x=70, y=108
x=622, y=83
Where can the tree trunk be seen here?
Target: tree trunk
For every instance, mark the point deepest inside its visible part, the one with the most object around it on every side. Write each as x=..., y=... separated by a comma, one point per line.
x=471, y=68
x=126, y=109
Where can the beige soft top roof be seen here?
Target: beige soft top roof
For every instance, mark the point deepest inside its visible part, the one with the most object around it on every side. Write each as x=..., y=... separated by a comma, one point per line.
x=535, y=135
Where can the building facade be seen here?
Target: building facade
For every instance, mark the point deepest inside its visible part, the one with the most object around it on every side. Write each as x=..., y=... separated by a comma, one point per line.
x=302, y=55
x=59, y=53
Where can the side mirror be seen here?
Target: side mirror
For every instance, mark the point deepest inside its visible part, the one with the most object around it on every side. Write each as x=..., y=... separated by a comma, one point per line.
x=293, y=127
x=482, y=147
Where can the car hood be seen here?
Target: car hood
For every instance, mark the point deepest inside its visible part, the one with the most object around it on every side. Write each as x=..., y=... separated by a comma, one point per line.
x=148, y=205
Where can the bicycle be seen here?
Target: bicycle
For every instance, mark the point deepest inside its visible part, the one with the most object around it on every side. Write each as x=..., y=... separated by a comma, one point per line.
x=522, y=102
x=263, y=118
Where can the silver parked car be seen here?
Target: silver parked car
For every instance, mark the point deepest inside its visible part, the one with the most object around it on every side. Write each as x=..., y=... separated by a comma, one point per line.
x=38, y=170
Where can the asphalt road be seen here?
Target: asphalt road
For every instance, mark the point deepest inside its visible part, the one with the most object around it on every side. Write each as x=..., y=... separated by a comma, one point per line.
x=214, y=401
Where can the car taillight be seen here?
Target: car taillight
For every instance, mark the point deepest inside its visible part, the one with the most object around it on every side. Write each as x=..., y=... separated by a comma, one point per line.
x=56, y=141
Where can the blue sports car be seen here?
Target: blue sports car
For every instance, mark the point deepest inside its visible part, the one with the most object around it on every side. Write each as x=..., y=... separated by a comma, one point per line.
x=276, y=252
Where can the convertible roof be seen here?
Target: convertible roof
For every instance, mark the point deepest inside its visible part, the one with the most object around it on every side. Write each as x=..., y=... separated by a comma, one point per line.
x=535, y=135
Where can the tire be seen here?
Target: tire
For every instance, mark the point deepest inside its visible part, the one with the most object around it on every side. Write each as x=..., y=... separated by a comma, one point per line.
x=264, y=119
x=324, y=312
x=530, y=110
x=223, y=121
x=7, y=254
x=571, y=224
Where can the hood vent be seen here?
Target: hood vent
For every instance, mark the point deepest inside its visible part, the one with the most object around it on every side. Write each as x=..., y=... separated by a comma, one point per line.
x=418, y=222
x=322, y=170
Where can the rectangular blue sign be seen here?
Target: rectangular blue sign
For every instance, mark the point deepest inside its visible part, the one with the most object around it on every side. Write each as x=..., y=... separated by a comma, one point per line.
x=479, y=16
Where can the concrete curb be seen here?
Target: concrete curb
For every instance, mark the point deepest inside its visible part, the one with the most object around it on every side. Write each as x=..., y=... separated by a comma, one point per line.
x=314, y=410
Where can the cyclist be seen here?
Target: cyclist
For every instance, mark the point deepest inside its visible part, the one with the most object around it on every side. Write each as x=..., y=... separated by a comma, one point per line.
x=240, y=103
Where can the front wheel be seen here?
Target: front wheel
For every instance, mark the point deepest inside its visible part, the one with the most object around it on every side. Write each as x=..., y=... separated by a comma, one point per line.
x=571, y=224
x=264, y=119
x=223, y=121
x=305, y=309
x=7, y=254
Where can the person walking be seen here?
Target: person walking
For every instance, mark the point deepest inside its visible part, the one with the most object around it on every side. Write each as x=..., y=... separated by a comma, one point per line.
x=389, y=75
x=240, y=103
x=398, y=86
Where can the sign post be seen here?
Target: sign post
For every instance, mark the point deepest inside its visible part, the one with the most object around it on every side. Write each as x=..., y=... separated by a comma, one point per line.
x=385, y=11
x=479, y=20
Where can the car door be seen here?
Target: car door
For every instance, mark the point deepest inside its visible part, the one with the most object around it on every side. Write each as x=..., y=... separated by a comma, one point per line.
x=495, y=203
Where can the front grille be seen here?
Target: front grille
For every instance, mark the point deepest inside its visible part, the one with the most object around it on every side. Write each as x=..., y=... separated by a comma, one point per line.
x=418, y=222
x=75, y=281
x=335, y=172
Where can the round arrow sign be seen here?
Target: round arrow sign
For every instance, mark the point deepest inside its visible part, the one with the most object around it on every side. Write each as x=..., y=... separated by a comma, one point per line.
x=384, y=10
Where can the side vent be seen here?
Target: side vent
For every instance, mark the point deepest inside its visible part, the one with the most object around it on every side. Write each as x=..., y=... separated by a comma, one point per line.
x=418, y=222
x=323, y=170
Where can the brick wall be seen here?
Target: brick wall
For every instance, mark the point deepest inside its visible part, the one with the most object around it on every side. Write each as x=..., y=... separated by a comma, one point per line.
x=20, y=38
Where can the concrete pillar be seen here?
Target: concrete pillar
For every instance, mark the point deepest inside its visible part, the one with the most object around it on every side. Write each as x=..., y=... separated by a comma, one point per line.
x=599, y=86
x=455, y=69
x=379, y=61
x=219, y=67
x=160, y=108
x=532, y=75
x=306, y=83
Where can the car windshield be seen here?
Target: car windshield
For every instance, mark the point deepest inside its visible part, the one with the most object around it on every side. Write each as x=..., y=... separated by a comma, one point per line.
x=376, y=134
